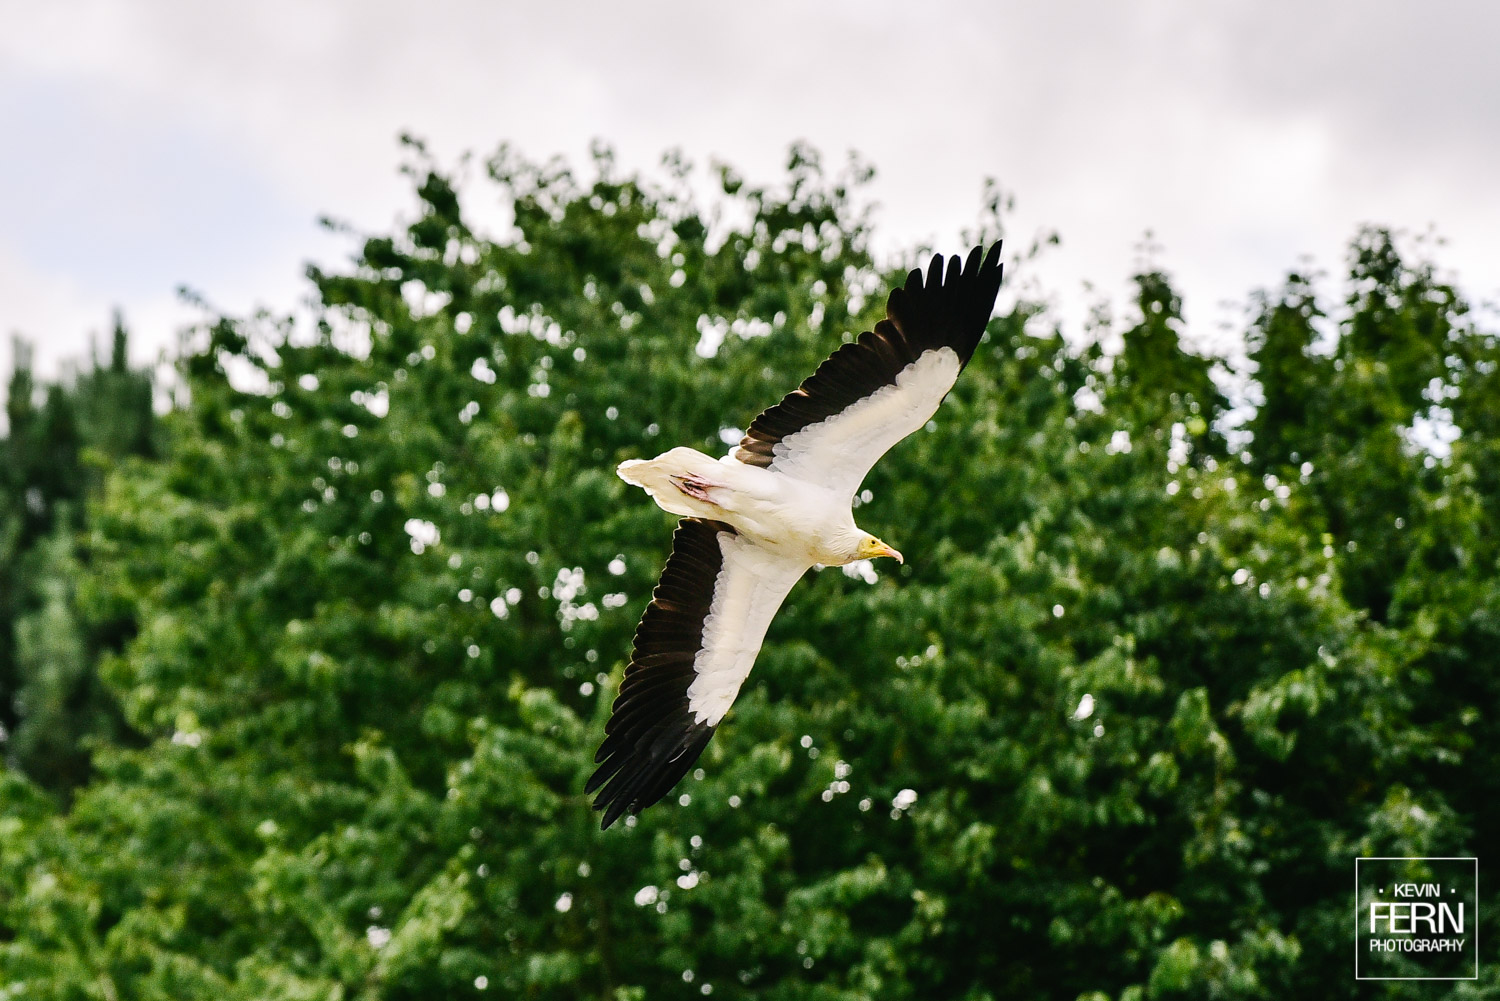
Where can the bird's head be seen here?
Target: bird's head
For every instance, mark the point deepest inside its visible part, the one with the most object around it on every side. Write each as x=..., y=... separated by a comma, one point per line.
x=870, y=547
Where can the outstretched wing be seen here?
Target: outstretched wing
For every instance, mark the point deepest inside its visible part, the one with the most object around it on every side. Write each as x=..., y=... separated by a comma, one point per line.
x=693, y=649
x=879, y=388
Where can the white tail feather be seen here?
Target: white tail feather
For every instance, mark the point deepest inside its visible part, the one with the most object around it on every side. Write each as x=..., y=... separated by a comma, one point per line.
x=655, y=476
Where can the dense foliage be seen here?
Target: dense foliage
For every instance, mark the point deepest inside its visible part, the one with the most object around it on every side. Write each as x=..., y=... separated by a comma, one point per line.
x=57, y=448
x=364, y=614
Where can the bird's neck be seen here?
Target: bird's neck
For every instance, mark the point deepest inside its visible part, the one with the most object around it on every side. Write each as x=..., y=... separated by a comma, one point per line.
x=845, y=544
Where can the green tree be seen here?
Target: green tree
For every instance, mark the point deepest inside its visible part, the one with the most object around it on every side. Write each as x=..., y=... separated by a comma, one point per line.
x=1361, y=409
x=52, y=702
x=1293, y=376
x=380, y=581
x=1154, y=377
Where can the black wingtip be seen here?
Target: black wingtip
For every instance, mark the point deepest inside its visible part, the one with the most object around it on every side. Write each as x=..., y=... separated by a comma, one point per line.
x=655, y=768
x=972, y=262
x=944, y=272
x=952, y=304
x=925, y=313
x=652, y=737
x=992, y=259
x=935, y=272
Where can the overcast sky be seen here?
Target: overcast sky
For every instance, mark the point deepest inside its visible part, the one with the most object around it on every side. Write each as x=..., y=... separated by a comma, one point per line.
x=151, y=144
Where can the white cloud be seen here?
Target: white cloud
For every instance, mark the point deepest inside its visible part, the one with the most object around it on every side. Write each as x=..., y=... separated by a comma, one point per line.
x=1243, y=135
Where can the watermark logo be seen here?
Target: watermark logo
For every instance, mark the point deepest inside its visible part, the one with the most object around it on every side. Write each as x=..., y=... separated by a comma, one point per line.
x=1416, y=919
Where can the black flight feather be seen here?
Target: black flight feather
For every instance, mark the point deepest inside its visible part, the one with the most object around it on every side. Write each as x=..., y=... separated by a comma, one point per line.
x=926, y=314
x=652, y=739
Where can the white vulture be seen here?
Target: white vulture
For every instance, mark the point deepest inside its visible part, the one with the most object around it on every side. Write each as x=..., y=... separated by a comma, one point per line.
x=778, y=504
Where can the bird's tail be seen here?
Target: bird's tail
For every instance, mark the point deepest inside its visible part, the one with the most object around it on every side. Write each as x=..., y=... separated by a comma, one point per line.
x=683, y=482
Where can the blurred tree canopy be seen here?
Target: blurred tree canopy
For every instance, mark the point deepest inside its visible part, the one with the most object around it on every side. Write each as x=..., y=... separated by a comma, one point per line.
x=361, y=602
x=55, y=456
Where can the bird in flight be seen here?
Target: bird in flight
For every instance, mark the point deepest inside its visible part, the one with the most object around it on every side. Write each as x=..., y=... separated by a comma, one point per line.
x=778, y=504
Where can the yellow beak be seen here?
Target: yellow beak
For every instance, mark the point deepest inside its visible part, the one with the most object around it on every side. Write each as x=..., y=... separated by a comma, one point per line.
x=881, y=549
